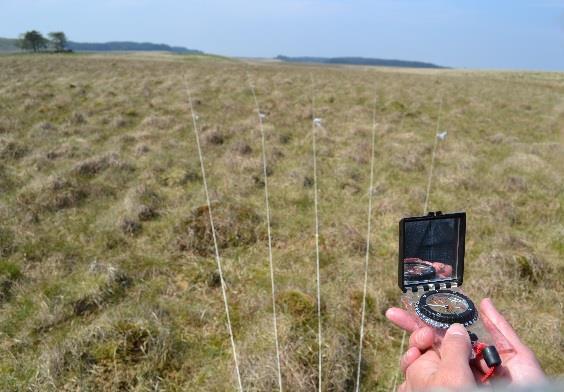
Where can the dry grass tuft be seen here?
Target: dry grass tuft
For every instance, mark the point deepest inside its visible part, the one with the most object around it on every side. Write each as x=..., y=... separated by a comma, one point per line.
x=55, y=194
x=12, y=150
x=114, y=356
x=116, y=282
x=6, y=179
x=235, y=225
x=9, y=274
x=142, y=149
x=7, y=238
x=242, y=148
x=301, y=306
x=214, y=137
x=8, y=125
x=120, y=122
x=43, y=128
x=143, y=203
x=129, y=226
x=96, y=165
x=157, y=122
x=77, y=118
x=179, y=177
x=531, y=268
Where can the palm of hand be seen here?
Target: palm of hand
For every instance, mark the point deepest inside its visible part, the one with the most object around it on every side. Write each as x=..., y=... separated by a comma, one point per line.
x=519, y=366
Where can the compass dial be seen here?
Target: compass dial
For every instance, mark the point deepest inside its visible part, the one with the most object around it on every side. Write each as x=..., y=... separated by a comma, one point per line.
x=414, y=271
x=442, y=308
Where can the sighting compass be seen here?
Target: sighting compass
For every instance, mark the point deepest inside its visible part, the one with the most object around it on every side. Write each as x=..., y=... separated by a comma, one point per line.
x=430, y=273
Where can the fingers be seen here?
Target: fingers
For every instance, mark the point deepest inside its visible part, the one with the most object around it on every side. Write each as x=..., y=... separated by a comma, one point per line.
x=487, y=308
x=408, y=358
x=450, y=369
x=456, y=348
x=421, y=371
x=422, y=339
x=402, y=319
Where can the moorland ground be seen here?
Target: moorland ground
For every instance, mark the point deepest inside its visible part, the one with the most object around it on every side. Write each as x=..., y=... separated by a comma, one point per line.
x=107, y=275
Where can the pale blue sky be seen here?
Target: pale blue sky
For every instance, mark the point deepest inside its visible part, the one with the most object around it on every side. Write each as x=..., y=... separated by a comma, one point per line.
x=511, y=34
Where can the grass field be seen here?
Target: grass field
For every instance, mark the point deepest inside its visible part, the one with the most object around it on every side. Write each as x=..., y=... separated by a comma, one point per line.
x=107, y=275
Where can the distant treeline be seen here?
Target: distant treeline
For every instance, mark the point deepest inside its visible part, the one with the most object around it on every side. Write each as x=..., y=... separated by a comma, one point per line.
x=128, y=46
x=358, y=61
x=34, y=41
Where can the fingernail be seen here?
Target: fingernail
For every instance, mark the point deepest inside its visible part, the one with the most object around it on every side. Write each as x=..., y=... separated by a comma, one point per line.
x=457, y=329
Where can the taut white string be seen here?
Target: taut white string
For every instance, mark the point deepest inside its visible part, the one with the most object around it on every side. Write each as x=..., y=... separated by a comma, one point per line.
x=314, y=124
x=400, y=354
x=216, y=248
x=429, y=180
x=266, y=200
x=368, y=230
x=425, y=207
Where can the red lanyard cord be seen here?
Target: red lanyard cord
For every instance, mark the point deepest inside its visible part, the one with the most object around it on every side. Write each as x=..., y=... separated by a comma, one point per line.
x=493, y=360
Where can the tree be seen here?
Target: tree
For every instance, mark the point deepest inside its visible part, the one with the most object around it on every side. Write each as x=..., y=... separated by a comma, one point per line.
x=32, y=40
x=58, y=40
x=22, y=43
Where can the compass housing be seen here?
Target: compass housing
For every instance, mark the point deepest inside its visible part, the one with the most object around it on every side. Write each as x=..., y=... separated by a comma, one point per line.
x=437, y=240
x=451, y=307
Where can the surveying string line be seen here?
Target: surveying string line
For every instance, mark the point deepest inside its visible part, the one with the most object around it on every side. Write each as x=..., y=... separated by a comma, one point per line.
x=216, y=248
x=426, y=204
x=396, y=376
x=428, y=192
x=267, y=204
x=368, y=231
x=315, y=122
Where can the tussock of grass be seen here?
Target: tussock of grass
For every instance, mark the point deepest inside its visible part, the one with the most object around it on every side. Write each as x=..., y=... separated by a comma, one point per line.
x=96, y=165
x=107, y=274
x=301, y=306
x=235, y=225
x=9, y=274
x=53, y=195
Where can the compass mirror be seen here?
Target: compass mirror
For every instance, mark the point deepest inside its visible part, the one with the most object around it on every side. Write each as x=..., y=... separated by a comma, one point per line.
x=432, y=249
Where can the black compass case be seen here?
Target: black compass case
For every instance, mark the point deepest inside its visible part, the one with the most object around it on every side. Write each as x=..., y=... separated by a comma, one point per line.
x=431, y=251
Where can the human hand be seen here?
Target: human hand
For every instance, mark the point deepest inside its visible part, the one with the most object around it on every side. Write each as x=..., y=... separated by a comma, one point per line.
x=448, y=368
x=443, y=270
x=519, y=367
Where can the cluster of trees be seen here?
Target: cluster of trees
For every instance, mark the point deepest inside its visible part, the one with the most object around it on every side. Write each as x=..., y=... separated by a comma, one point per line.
x=35, y=41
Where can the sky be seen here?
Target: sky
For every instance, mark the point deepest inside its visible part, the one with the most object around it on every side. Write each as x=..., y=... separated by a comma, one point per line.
x=483, y=34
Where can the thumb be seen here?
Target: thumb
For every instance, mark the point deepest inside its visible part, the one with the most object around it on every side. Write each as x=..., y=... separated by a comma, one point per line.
x=456, y=347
